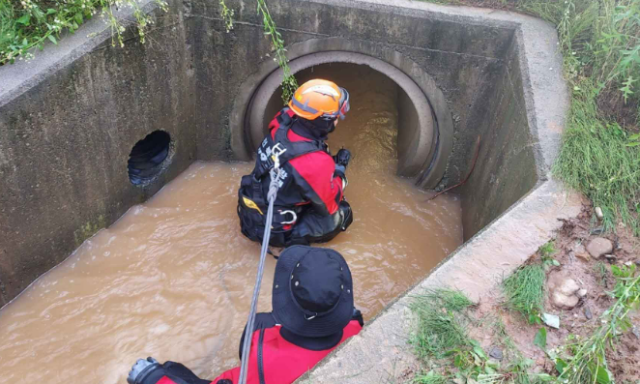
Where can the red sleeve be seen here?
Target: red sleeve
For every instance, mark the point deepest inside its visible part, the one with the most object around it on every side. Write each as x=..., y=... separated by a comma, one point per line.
x=314, y=174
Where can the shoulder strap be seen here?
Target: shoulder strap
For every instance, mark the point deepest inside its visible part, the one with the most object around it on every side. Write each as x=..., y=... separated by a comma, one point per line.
x=294, y=149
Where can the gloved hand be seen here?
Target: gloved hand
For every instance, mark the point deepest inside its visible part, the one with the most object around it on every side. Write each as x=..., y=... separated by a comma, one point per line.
x=342, y=157
x=141, y=369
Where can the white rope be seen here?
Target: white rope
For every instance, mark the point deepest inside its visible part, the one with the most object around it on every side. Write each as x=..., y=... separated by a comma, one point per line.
x=248, y=333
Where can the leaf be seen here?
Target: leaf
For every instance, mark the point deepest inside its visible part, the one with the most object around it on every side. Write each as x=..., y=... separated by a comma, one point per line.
x=540, y=339
x=51, y=11
x=24, y=20
x=478, y=350
x=79, y=18
x=561, y=365
x=544, y=377
x=25, y=42
x=632, y=144
x=457, y=361
x=603, y=376
x=53, y=39
x=635, y=137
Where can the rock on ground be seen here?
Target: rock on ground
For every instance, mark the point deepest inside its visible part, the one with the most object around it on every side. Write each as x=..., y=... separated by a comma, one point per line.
x=563, y=290
x=599, y=246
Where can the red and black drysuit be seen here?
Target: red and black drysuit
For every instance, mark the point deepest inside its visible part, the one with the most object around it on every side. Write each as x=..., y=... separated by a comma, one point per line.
x=276, y=357
x=310, y=205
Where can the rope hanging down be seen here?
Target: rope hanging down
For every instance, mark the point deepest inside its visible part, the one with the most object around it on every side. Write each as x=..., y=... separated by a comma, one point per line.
x=275, y=173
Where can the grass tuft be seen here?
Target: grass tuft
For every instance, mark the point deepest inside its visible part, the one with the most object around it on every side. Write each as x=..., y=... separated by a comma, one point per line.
x=524, y=291
x=596, y=159
x=430, y=378
x=440, y=327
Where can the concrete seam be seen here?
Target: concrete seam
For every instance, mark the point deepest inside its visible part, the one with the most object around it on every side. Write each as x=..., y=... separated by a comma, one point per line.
x=488, y=58
x=257, y=25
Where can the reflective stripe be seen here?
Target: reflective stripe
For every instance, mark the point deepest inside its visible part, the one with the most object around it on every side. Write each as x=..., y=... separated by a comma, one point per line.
x=304, y=106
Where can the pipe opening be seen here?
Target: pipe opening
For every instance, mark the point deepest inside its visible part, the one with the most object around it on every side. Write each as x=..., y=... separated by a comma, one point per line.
x=149, y=157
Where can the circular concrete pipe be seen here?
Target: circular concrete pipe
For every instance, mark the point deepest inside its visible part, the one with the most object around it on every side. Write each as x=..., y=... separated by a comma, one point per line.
x=416, y=143
x=425, y=126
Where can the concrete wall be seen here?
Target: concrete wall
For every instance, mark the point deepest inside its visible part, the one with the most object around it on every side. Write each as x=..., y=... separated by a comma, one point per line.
x=70, y=117
x=505, y=169
x=66, y=134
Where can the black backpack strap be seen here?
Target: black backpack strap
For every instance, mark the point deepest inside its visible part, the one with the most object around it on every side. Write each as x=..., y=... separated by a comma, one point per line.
x=294, y=149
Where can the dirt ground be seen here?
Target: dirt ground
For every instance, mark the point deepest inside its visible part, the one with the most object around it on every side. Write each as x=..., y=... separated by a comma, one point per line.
x=588, y=273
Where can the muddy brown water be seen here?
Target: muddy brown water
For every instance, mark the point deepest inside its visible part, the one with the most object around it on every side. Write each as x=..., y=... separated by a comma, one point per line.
x=173, y=277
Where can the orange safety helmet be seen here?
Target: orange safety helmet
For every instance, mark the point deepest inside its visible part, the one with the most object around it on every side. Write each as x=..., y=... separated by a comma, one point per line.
x=320, y=99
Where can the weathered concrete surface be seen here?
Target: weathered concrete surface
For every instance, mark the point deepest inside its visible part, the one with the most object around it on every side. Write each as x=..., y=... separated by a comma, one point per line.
x=381, y=353
x=68, y=121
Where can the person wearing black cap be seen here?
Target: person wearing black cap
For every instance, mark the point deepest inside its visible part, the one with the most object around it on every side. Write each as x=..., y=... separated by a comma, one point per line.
x=313, y=312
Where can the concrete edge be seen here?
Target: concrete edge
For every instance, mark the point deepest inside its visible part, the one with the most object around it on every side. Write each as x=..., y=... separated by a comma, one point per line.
x=18, y=78
x=381, y=351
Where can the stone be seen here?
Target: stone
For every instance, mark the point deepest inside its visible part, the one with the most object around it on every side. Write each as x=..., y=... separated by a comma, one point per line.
x=599, y=213
x=563, y=301
x=581, y=253
x=560, y=282
x=568, y=287
x=599, y=246
x=581, y=293
x=587, y=313
x=551, y=320
x=496, y=353
x=609, y=257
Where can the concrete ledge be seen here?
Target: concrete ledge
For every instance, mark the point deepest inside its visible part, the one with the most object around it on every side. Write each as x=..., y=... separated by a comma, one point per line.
x=381, y=351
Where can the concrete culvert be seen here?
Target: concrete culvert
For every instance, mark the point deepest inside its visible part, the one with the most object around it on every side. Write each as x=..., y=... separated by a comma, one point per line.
x=424, y=133
x=148, y=158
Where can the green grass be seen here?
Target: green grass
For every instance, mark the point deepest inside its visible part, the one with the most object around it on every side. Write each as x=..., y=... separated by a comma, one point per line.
x=430, y=378
x=600, y=42
x=440, y=327
x=26, y=25
x=597, y=160
x=524, y=291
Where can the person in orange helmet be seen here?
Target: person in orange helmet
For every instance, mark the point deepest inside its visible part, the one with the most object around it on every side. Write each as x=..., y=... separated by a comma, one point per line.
x=310, y=205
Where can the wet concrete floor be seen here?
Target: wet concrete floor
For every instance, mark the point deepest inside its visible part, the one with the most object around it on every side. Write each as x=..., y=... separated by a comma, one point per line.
x=173, y=277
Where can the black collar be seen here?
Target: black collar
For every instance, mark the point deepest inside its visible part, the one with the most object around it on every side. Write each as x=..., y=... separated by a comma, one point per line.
x=313, y=130
x=312, y=343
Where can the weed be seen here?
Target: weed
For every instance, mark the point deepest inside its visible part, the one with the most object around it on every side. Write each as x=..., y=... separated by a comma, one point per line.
x=603, y=273
x=596, y=160
x=289, y=83
x=227, y=16
x=439, y=330
x=28, y=24
x=446, y=298
x=584, y=361
x=524, y=291
x=430, y=378
x=547, y=250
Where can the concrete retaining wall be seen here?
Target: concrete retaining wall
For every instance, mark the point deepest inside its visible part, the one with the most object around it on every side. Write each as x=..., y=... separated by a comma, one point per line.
x=69, y=118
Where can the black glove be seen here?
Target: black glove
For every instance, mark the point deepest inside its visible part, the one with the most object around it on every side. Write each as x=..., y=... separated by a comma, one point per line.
x=342, y=157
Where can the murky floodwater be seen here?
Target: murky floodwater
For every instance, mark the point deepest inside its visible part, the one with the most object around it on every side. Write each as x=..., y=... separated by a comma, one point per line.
x=173, y=277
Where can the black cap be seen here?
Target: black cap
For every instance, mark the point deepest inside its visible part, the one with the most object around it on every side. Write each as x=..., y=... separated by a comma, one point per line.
x=312, y=291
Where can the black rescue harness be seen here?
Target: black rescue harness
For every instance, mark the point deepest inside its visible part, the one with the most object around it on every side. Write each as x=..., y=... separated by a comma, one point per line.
x=252, y=201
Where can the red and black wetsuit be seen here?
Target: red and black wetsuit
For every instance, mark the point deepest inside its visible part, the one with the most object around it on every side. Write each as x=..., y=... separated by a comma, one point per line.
x=276, y=357
x=310, y=205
